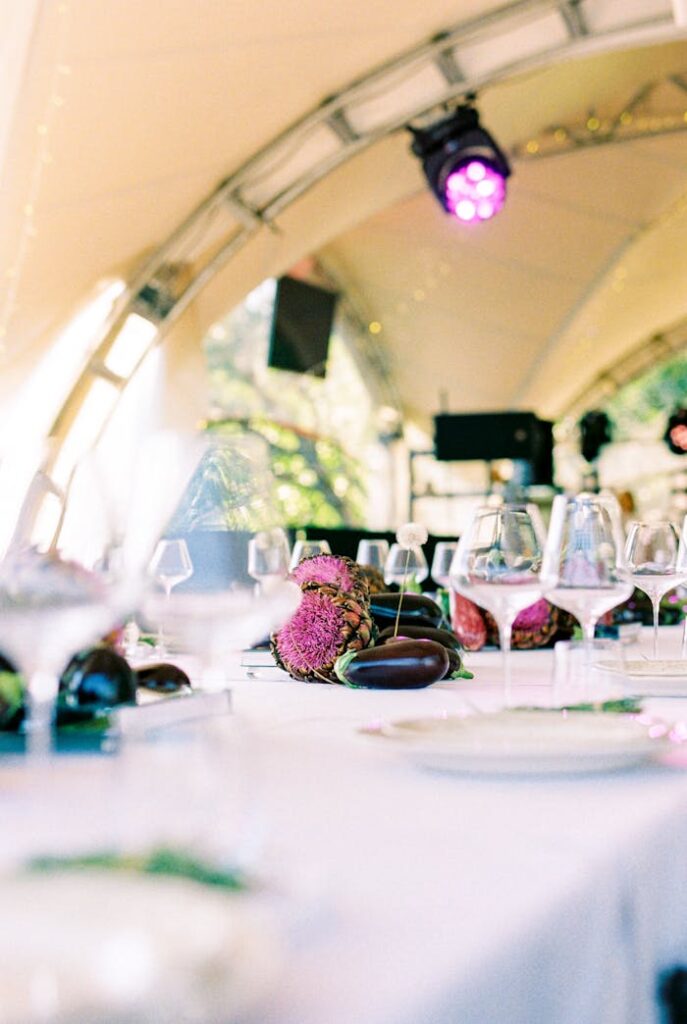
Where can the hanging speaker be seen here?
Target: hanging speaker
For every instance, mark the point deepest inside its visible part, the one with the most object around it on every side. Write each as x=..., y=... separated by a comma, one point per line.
x=463, y=437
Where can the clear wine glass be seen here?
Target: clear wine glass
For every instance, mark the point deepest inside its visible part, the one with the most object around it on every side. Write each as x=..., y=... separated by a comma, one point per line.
x=497, y=565
x=268, y=557
x=657, y=560
x=64, y=584
x=404, y=564
x=373, y=552
x=584, y=569
x=229, y=500
x=441, y=562
x=307, y=549
x=170, y=565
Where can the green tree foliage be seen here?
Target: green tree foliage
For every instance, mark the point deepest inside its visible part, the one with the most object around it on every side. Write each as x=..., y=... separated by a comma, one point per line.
x=311, y=426
x=644, y=404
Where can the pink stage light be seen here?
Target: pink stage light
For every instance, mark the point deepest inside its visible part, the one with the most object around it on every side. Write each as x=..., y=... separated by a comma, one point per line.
x=475, y=192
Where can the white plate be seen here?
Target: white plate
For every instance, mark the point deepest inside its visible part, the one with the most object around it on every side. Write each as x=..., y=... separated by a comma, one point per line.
x=643, y=668
x=526, y=742
x=115, y=949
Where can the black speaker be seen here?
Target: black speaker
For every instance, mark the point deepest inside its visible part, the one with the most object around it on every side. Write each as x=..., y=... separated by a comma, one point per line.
x=461, y=437
x=542, y=455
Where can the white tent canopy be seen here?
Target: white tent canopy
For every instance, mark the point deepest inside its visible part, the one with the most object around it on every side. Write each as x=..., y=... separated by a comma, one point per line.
x=121, y=118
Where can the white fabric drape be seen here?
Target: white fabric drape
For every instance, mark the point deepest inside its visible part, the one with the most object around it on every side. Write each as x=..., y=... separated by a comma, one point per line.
x=17, y=21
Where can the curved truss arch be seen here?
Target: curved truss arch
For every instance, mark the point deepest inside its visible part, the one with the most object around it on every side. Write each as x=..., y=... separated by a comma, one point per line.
x=518, y=36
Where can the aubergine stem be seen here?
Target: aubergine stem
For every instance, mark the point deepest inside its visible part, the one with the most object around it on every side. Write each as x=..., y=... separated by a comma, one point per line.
x=400, y=596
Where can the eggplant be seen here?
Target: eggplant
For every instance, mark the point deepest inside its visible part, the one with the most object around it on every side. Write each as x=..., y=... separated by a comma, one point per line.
x=440, y=636
x=6, y=665
x=97, y=678
x=402, y=665
x=455, y=670
x=416, y=610
x=163, y=678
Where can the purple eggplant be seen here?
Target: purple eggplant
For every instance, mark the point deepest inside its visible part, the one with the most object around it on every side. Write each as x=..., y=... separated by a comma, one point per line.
x=440, y=636
x=402, y=665
x=455, y=670
x=97, y=678
x=416, y=610
x=163, y=678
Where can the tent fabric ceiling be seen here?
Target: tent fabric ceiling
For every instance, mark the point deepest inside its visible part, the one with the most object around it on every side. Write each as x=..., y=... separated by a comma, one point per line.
x=159, y=102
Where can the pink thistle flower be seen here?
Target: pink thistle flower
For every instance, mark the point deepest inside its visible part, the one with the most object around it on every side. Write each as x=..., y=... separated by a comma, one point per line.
x=333, y=570
x=533, y=617
x=312, y=638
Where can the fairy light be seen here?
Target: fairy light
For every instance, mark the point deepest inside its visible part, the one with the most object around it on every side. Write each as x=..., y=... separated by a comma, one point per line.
x=54, y=102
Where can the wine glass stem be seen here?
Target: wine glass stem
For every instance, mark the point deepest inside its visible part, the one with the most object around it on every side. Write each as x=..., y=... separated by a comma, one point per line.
x=505, y=634
x=161, y=648
x=655, y=607
x=42, y=692
x=588, y=630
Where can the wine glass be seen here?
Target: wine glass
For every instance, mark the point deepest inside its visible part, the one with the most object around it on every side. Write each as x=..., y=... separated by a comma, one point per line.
x=657, y=561
x=441, y=562
x=64, y=584
x=268, y=557
x=497, y=565
x=584, y=569
x=228, y=503
x=307, y=549
x=373, y=552
x=170, y=565
x=403, y=564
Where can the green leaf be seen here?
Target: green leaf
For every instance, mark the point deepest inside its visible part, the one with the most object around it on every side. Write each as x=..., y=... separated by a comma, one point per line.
x=462, y=673
x=621, y=706
x=162, y=861
x=341, y=664
x=11, y=696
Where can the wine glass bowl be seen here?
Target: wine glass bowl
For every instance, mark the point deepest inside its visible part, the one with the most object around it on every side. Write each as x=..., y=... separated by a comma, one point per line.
x=171, y=563
x=657, y=561
x=268, y=557
x=49, y=608
x=584, y=569
x=308, y=549
x=404, y=564
x=441, y=562
x=373, y=552
x=497, y=565
x=229, y=517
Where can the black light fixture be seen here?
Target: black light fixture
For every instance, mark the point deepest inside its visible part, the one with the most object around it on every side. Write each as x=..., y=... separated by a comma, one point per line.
x=676, y=432
x=596, y=431
x=464, y=166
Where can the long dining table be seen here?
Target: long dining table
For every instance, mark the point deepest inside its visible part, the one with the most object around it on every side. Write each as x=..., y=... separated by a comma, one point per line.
x=410, y=896
x=452, y=898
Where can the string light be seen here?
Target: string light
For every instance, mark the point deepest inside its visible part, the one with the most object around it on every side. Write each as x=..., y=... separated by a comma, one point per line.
x=27, y=231
x=629, y=123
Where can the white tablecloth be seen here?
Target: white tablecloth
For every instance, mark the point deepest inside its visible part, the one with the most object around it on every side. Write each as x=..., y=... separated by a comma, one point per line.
x=469, y=900
x=419, y=898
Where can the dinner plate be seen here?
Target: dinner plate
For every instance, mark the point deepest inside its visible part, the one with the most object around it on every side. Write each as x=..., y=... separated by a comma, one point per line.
x=644, y=668
x=526, y=742
x=103, y=947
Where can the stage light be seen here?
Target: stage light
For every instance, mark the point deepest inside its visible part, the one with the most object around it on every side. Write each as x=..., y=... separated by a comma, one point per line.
x=596, y=431
x=676, y=432
x=464, y=166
